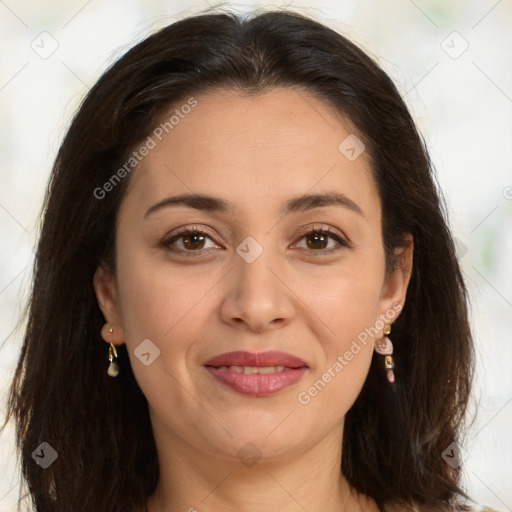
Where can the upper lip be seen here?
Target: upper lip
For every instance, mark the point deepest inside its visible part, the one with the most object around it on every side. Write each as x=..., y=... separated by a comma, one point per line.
x=256, y=359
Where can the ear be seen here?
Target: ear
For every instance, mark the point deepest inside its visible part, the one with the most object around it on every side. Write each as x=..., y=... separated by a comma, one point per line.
x=106, y=293
x=395, y=285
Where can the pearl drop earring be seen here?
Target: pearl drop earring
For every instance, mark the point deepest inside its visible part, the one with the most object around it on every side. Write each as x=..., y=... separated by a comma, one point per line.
x=113, y=367
x=385, y=348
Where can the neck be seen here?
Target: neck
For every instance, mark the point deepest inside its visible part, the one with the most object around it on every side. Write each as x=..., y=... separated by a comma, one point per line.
x=311, y=480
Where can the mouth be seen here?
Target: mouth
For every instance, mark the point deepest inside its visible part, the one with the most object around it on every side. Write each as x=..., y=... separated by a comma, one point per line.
x=256, y=374
x=256, y=360
x=253, y=369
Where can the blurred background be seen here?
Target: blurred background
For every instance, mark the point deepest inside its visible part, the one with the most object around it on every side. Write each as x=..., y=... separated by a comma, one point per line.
x=452, y=62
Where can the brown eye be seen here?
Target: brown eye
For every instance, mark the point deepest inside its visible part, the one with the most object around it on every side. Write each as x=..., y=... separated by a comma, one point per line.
x=317, y=240
x=193, y=241
x=188, y=241
x=320, y=240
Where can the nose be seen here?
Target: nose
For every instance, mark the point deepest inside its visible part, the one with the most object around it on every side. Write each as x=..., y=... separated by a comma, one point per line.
x=257, y=296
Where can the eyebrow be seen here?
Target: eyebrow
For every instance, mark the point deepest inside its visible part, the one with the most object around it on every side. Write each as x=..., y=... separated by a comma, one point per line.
x=213, y=204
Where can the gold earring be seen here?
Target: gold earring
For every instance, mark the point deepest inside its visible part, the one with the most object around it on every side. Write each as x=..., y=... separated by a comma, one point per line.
x=385, y=348
x=113, y=367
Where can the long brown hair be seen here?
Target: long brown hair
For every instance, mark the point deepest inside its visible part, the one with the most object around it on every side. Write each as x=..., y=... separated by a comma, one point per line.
x=100, y=427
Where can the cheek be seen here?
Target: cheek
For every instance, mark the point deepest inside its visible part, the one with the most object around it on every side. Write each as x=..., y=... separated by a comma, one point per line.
x=156, y=296
x=348, y=311
x=347, y=304
x=332, y=390
x=162, y=304
x=344, y=299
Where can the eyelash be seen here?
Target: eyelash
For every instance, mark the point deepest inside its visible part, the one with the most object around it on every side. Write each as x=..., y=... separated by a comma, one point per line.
x=166, y=243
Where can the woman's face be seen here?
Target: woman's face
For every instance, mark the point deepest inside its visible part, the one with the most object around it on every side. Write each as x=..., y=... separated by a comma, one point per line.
x=254, y=274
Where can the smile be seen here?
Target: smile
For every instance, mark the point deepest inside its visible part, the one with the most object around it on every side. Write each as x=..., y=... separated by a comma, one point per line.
x=257, y=381
x=254, y=369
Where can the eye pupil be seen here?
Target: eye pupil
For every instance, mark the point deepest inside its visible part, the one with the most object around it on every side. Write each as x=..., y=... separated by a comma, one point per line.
x=319, y=241
x=192, y=239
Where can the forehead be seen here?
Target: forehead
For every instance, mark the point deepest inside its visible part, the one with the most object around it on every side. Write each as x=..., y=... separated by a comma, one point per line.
x=283, y=142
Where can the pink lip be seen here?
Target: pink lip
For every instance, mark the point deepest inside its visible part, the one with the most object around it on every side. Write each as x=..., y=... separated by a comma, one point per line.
x=271, y=358
x=255, y=384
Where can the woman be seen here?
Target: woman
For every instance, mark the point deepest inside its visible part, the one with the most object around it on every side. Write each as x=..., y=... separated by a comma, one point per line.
x=246, y=296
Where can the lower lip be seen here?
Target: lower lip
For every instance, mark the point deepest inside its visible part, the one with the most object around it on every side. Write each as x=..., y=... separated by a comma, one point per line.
x=258, y=384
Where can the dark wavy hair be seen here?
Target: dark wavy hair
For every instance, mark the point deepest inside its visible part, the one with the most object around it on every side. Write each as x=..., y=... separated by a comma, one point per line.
x=100, y=428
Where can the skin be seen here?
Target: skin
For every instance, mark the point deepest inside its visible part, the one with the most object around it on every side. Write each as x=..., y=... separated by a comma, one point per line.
x=309, y=300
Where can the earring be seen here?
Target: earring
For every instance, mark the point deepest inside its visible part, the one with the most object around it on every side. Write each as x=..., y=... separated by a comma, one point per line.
x=385, y=348
x=113, y=367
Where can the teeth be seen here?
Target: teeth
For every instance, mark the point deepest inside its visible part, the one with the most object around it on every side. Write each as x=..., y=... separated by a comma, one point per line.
x=267, y=369
x=253, y=369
